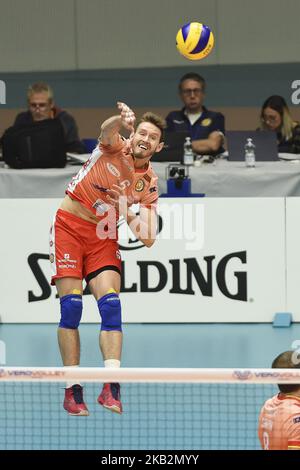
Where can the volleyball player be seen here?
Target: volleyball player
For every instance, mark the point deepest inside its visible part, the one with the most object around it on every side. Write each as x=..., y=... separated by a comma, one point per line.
x=83, y=241
x=279, y=421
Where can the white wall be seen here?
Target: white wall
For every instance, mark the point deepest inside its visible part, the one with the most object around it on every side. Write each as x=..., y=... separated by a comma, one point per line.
x=41, y=35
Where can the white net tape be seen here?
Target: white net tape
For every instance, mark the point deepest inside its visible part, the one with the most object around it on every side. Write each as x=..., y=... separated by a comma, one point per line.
x=154, y=375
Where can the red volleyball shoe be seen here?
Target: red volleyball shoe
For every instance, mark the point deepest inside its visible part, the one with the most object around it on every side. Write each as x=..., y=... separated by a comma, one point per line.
x=73, y=402
x=110, y=397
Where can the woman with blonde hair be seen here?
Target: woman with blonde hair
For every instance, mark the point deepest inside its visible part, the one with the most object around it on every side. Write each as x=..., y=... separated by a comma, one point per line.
x=275, y=116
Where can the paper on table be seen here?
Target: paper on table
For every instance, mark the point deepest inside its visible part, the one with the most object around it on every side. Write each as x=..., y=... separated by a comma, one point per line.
x=289, y=156
x=78, y=157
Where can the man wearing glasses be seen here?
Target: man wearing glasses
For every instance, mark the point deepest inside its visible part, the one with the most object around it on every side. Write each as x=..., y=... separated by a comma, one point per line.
x=41, y=106
x=206, y=127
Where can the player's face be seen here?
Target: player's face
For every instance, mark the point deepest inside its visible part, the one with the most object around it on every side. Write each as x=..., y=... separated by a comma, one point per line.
x=145, y=141
x=272, y=119
x=40, y=106
x=192, y=95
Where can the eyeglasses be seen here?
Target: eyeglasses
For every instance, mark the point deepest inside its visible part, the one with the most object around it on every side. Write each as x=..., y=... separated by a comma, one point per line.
x=38, y=105
x=190, y=91
x=270, y=119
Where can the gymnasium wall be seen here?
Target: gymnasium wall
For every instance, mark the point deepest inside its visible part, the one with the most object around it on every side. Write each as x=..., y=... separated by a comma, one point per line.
x=72, y=45
x=37, y=35
x=236, y=90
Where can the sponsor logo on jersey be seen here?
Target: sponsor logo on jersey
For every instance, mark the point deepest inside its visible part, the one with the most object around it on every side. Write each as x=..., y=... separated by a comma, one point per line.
x=113, y=170
x=206, y=122
x=139, y=186
x=66, y=259
x=67, y=266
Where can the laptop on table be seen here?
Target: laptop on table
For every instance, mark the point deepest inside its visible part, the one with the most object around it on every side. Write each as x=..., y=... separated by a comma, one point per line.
x=265, y=145
x=173, y=148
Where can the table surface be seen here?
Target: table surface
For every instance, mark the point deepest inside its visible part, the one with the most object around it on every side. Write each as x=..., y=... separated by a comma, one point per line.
x=220, y=179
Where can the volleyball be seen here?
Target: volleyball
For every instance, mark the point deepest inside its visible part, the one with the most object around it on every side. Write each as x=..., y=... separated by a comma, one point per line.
x=195, y=41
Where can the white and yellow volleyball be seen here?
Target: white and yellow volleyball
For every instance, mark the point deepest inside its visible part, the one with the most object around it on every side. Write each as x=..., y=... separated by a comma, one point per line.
x=195, y=41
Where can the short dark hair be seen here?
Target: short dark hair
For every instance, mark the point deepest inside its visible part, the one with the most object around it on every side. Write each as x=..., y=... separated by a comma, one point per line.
x=192, y=76
x=156, y=120
x=286, y=360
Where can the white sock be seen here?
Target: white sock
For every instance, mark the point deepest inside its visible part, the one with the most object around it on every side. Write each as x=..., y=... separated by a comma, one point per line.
x=112, y=363
x=71, y=383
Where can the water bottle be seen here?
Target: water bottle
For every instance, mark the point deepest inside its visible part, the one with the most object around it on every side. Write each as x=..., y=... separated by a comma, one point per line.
x=188, y=154
x=250, y=154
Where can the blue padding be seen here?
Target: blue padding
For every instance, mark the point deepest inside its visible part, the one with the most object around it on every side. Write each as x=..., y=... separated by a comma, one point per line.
x=179, y=187
x=282, y=320
x=110, y=310
x=71, y=311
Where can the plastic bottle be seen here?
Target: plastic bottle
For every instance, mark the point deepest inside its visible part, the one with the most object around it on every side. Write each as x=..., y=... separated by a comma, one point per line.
x=250, y=154
x=188, y=154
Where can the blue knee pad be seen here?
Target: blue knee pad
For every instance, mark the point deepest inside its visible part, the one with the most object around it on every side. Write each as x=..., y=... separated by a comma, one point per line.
x=110, y=310
x=71, y=311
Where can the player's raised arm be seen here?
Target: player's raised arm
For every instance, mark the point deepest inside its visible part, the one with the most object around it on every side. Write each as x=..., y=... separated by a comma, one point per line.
x=110, y=128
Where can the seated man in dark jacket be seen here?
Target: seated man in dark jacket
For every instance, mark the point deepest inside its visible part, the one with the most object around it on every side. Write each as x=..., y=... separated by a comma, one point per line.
x=206, y=127
x=41, y=106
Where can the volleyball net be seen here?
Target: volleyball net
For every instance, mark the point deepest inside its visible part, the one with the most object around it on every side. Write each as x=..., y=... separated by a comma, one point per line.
x=185, y=409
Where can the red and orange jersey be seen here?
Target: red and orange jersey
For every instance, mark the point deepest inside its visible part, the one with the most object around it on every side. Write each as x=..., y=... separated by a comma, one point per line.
x=279, y=423
x=108, y=165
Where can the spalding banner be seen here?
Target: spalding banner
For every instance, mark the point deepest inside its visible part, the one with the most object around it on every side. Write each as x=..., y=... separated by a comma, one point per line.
x=214, y=260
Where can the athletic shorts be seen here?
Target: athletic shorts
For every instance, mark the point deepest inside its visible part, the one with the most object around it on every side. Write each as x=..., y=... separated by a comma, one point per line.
x=77, y=251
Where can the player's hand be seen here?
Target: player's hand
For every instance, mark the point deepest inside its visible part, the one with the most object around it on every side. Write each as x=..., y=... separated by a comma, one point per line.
x=127, y=116
x=118, y=198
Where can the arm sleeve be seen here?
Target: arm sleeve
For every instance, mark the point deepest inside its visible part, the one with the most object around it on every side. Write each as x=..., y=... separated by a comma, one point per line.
x=117, y=147
x=218, y=123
